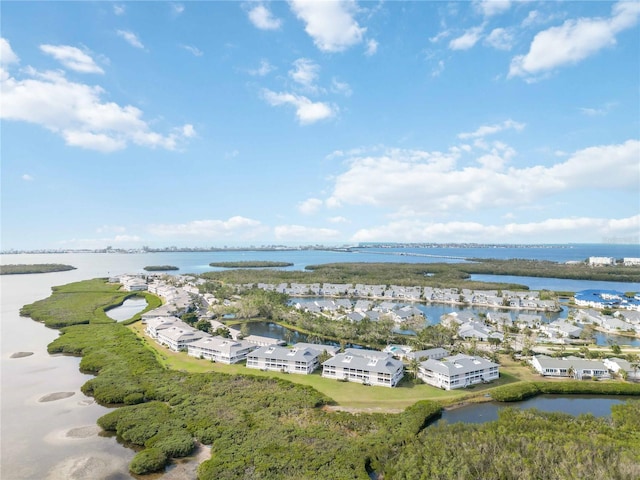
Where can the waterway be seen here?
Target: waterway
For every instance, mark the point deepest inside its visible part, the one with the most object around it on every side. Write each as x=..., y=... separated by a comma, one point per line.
x=58, y=439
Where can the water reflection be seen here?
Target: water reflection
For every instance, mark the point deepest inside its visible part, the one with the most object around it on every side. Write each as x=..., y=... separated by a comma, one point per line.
x=128, y=309
x=599, y=406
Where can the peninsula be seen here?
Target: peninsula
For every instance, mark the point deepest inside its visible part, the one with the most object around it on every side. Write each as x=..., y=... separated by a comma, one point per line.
x=34, y=268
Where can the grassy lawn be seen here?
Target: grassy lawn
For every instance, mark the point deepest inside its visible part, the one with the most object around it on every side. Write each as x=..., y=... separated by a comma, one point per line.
x=345, y=394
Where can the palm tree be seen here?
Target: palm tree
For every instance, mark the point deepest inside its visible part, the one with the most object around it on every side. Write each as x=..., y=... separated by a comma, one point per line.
x=414, y=368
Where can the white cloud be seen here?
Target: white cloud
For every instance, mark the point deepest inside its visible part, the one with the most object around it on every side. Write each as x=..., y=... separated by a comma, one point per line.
x=338, y=219
x=77, y=113
x=467, y=40
x=372, y=47
x=239, y=226
x=430, y=183
x=310, y=206
x=500, y=39
x=342, y=88
x=574, y=40
x=440, y=36
x=262, y=18
x=492, y=129
x=119, y=9
x=571, y=230
x=592, y=112
x=7, y=56
x=177, y=8
x=195, y=51
x=329, y=23
x=264, y=69
x=72, y=58
x=27, y=178
x=307, y=111
x=111, y=229
x=131, y=38
x=490, y=8
x=302, y=233
x=438, y=69
x=305, y=73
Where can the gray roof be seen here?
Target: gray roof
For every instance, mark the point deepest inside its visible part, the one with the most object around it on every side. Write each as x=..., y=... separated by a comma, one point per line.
x=377, y=365
x=361, y=352
x=221, y=344
x=430, y=353
x=330, y=349
x=567, y=362
x=283, y=353
x=457, y=365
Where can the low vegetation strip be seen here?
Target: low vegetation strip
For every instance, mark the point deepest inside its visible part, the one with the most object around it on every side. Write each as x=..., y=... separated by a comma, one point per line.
x=34, y=268
x=160, y=268
x=437, y=275
x=523, y=390
x=251, y=264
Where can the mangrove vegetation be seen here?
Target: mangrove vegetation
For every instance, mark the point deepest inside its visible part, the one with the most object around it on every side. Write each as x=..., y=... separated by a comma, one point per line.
x=34, y=268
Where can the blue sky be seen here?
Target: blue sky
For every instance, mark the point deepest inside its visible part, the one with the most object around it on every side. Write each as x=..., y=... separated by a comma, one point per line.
x=255, y=123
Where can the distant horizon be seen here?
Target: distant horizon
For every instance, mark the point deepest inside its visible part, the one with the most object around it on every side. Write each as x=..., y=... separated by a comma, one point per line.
x=276, y=247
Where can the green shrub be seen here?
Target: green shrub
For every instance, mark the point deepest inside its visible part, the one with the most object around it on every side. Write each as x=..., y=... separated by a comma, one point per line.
x=148, y=461
x=515, y=392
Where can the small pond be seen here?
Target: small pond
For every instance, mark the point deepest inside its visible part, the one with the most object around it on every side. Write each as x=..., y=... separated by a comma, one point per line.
x=599, y=406
x=128, y=309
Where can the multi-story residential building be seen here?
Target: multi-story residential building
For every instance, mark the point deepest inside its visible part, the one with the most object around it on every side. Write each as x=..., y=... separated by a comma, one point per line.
x=281, y=359
x=368, y=367
x=219, y=349
x=458, y=371
x=573, y=367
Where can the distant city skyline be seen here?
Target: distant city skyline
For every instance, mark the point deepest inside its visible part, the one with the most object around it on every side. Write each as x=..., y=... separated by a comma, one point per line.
x=197, y=124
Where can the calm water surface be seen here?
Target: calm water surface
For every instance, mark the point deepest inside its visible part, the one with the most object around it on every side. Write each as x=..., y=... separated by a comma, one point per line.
x=599, y=406
x=128, y=309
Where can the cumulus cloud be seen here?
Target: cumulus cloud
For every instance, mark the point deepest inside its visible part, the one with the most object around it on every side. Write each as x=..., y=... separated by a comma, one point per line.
x=7, y=55
x=574, y=40
x=492, y=129
x=310, y=206
x=77, y=113
x=302, y=233
x=305, y=72
x=264, y=69
x=72, y=58
x=372, y=47
x=307, y=111
x=468, y=39
x=237, y=226
x=342, y=88
x=27, y=178
x=262, y=18
x=429, y=183
x=119, y=9
x=490, y=8
x=131, y=38
x=579, y=229
x=500, y=39
x=330, y=24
